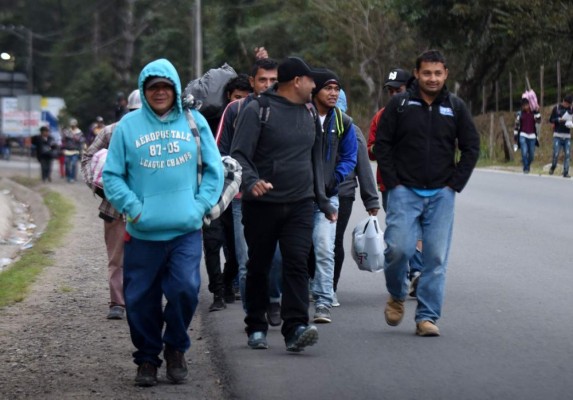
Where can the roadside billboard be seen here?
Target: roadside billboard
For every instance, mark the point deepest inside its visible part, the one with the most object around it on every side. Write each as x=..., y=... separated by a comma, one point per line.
x=15, y=122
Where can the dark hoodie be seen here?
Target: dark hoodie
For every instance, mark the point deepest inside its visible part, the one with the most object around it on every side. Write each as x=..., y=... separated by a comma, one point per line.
x=285, y=151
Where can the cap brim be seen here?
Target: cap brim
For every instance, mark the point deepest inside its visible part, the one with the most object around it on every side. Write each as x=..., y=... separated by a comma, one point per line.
x=394, y=84
x=158, y=79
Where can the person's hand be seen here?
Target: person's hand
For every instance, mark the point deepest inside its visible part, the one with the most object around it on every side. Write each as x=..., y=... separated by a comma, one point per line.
x=332, y=217
x=373, y=211
x=260, y=53
x=260, y=188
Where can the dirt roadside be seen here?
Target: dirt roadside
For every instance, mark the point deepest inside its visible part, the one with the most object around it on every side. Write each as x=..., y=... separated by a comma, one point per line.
x=57, y=344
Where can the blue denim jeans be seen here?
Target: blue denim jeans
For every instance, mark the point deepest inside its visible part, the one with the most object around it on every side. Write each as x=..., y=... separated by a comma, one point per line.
x=323, y=236
x=151, y=270
x=565, y=144
x=71, y=167
x=407, y=216
x=241, y=250
x=527, y=152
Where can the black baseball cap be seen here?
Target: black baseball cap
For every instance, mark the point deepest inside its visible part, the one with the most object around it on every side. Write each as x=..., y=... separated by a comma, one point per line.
x=292, y=67
x=396, y=78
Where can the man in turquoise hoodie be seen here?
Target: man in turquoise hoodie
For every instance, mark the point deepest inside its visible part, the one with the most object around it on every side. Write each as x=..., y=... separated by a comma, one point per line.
x=151, y=176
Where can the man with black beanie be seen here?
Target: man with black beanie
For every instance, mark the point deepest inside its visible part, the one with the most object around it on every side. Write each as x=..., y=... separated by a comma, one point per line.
x=339, y=147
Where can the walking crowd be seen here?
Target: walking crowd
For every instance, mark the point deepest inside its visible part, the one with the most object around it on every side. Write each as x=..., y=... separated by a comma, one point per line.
x=164, y=168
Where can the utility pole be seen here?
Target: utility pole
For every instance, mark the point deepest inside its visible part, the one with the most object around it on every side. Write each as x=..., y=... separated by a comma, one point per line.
x=198, y=40
x=30, y=64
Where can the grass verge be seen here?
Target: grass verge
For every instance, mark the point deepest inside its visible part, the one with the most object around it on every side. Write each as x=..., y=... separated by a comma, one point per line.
x=16, y=280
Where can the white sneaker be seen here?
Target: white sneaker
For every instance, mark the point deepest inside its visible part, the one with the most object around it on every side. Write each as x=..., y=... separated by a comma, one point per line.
x=335, y=302
x=414, y=284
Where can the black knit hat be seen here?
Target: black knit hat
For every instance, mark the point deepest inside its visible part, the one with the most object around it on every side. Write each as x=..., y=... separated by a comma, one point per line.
x=323, y=77
x=292, y=67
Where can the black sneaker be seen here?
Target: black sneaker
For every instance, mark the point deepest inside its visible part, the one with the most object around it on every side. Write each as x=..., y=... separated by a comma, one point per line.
x=303, y=336
x=229, y=295
x=218, y=303
x=258, y=340
x=566, y=176
x=551, y=170
x=274, y=314
x=176, y=364
x=146, y=375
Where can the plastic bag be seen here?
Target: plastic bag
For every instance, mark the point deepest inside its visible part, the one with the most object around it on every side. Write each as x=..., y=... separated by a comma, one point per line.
x=208, y=91
x=368, y=245
x=96, y=164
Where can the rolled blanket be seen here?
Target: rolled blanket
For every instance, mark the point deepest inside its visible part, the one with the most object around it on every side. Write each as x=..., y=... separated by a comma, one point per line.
x=231, y=186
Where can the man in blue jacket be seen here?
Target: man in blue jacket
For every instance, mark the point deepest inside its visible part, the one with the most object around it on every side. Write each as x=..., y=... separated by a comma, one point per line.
x=151, y=175
x=416, y=152
x=339, y=149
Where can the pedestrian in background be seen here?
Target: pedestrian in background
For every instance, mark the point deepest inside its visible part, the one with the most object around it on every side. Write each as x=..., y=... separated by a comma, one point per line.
x=362, y=177
x=525, y=132
x=152, y=175
x=561, y=134
x=113, y=221
x=73, y=143
x=46, y=148
x=263, y=75
x=396, y=82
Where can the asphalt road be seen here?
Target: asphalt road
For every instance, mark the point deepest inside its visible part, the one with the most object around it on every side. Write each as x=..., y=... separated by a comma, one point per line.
x=507, y=321
x=506, y=327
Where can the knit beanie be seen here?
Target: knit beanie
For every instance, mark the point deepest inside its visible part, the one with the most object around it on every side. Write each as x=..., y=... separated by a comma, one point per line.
x=323, y=77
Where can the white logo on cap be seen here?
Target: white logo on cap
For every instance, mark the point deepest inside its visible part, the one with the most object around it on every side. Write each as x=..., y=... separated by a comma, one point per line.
x=393, y=75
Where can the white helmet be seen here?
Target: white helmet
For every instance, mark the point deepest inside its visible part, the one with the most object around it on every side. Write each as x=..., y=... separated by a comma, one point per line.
x=134, y=100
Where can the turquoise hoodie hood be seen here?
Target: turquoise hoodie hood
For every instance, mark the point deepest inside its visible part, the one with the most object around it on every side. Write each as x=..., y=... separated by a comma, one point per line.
x=150, y=173
x=164, y=69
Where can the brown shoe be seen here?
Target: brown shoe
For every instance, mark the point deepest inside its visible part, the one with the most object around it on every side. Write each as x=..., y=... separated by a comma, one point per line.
x=394, y=311
x=176, y=364
x=427, y=328
x=146, y=375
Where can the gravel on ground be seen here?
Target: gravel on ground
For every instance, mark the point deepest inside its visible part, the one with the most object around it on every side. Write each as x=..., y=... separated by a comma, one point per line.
x=58, y=344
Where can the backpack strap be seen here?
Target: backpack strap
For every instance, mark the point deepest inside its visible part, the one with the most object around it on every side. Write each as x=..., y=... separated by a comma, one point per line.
x=455, y=103
x=405, y=102
x=240, y=103
x=264, y=108
x=197, y=137
x=265, y=111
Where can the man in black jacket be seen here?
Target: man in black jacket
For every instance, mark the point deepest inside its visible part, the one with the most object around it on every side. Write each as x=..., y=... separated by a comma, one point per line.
x=415, y=149
x=282, y=174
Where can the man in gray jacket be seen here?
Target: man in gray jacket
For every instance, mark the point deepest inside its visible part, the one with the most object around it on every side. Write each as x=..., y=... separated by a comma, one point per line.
x=363, y=176
x=282, y=173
